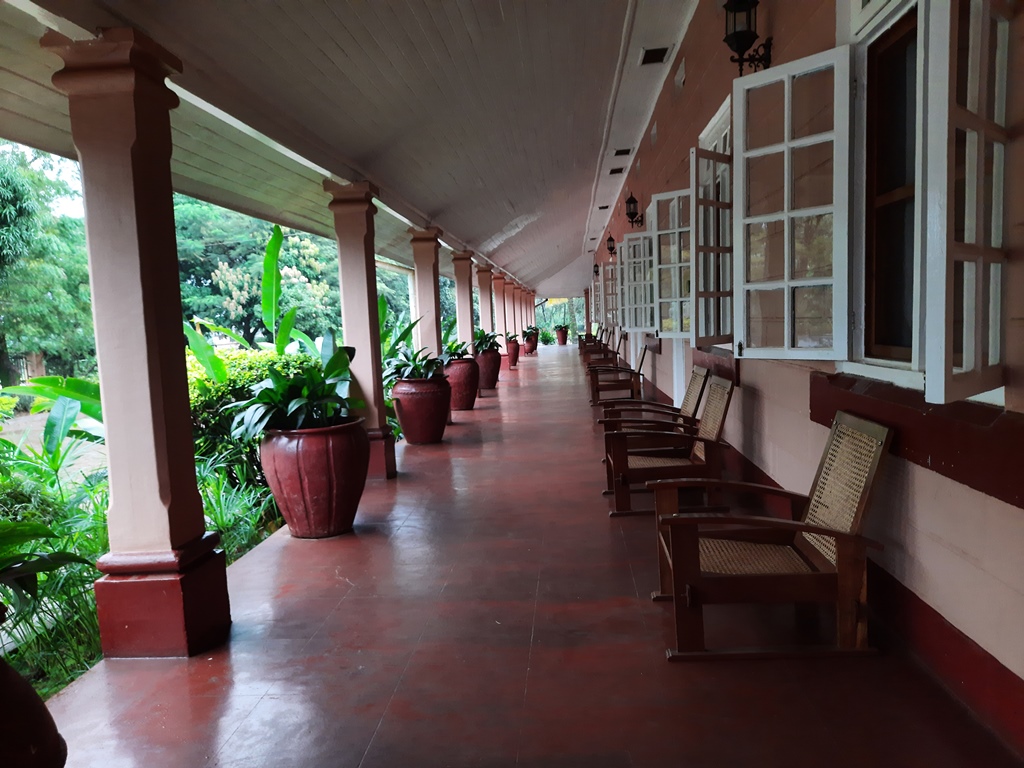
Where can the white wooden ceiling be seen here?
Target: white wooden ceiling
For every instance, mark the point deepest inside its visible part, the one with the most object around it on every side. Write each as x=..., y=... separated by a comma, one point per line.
x=495, y=120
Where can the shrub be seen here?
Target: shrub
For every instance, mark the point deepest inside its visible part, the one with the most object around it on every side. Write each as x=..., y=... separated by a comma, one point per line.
x=547, y=337
x=211, y=425
x=7, y=406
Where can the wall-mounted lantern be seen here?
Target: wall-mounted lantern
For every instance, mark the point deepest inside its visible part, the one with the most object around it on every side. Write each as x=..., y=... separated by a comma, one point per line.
x=610, y=243
x=633, y=215
x=741, y=34
x=597, y=270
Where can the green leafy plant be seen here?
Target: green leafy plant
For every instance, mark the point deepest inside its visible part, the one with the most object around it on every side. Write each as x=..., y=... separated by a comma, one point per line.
x=410, y=364
x=562, y=328
x=547, y=337
x=452, y=348
x=485, y=341
x=314, y=396
x=530, y=331
x=243, y=515
x=512, y=337
x=20, y=568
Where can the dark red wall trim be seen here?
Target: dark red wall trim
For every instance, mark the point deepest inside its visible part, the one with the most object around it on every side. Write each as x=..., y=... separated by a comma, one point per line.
x=720, y=362
x=980, y=446
x=904, y=622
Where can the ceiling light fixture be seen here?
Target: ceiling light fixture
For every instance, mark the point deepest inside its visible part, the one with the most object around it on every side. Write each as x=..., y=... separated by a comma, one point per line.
x=741, y=34
x=636, y=219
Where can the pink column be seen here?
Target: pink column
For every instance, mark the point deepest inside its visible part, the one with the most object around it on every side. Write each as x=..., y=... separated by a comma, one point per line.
x=510, y=309
x=587, y=320
x=483, y=280
x=353, y=210
x=501, y=326
x=425, y=247
x=517, y=302
x=164, y=592
x=462, y=262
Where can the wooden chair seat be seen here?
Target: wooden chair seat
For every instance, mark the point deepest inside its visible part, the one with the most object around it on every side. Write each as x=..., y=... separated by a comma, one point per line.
x=656, y=462
x=729, y=557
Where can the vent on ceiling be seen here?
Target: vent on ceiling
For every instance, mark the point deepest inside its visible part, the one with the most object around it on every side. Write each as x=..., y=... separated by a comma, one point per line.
x=615, y=171
x=653, y=56
x=602, y=207
x=593, y=238
x=622, y=152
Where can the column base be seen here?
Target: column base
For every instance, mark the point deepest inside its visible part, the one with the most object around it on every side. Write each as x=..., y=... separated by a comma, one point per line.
x=164, y=603
x=504, y=362
x=383, y=464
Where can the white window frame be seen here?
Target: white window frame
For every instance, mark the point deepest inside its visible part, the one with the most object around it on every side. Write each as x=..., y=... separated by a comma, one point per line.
x=683, y=296
x=839, y=60
x=637, y=284
x=715, y=148
x=933, y=60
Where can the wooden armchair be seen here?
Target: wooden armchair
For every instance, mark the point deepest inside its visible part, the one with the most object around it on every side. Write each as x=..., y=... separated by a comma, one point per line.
x=618, y=409
x=616, y=378
x=604, y=355
x=587, y=341
x=818, y=557
x=635, y=457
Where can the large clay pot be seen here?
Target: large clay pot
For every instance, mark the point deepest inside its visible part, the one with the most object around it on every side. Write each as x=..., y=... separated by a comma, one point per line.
x=317, y=476
x=530, y=344
x=512, y=347
x=562, y=335
x=422, y=408
x=28, y=735
x=464, y=379
x=490, y=364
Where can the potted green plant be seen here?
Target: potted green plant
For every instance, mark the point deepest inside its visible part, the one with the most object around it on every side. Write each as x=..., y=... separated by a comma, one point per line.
x=27, y=731
x=421, y=394
x=463, y=374
x=530, y=334
x=562, y=334
x=512, y=347
x=488, y=357
x=315, y=453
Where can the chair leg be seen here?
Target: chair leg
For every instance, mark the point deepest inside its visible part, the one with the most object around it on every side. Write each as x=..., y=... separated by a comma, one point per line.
x=851, y=607
x=609, y=474
x=664, y=593
x=622, y=499
x=684, y=550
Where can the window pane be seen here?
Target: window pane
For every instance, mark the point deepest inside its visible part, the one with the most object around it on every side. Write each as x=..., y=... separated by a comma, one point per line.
x=995, y=287
x=668, y=248
x=765, y=180
x=992, y=191
x=665, y=288
x=958, y=314
x=664, y=218
x=812, y=103
x=812, y=175
x=960, y=186
x=765, y=115
x=766, y=251
x=683, y=212
x=684, y=247
x=812, y=246
x=669, y=317
x=766, y=318
x=891, y=301
x=684, y=281
x=995, y=98
x=812, y=316
x=963, y=53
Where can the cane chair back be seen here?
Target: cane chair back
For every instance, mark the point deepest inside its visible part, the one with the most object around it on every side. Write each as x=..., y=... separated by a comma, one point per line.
x=694, y=391
x=712, y=421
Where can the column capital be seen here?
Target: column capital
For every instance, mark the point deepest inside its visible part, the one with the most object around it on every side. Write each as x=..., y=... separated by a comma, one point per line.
x=426, y=233
x=482, y=269
x=463, y=256
x=499, y=279
x=358, y=193
x=110, y=62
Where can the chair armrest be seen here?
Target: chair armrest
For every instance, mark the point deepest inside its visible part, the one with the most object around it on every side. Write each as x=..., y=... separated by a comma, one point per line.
x=640, y=422
x=691, y=519
x=624, y=411
x=729, y=485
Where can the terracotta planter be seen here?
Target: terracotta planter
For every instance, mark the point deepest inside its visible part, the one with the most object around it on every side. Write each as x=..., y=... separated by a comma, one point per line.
x=464, y=379
x=562, y=336
x=317, y=476
x=27, y=731
x=422, y=407
x=531, y=345
x=490, y=364
x=513, y=353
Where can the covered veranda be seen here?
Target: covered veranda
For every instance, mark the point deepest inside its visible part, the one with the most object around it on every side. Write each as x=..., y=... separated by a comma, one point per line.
x=488, y=612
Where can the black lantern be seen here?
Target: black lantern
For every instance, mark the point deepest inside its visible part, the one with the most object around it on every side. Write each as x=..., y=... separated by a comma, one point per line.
x=741, y=34
x=597, y=270
x=610, y=243
x=636, y=219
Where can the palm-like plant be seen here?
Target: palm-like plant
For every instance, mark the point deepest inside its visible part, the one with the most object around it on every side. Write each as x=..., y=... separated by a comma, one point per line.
x=485, y=341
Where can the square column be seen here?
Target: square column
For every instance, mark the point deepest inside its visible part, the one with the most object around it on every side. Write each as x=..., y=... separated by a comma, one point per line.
x=425, y=247
x=462, y=261
x=164, y=592
x=353, y=210
x=483, y=280
x=517, y=299
x=587, y=320
x=510, y=310
x=500, y=305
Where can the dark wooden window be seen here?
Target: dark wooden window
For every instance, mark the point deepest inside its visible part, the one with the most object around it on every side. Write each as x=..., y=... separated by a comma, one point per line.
x=891, y=158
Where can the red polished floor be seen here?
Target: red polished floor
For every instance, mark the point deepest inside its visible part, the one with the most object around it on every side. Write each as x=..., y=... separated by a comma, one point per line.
x=488, y=613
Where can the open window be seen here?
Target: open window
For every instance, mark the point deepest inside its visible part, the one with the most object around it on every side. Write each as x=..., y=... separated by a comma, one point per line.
x=637, y=288
x=610, y=294
x=966, y=143
x=791, y=220
x=711, y=201
x=669, y=217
